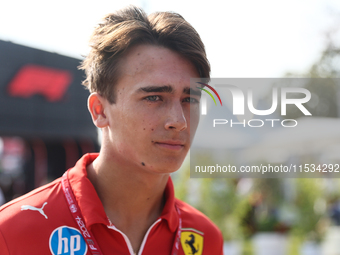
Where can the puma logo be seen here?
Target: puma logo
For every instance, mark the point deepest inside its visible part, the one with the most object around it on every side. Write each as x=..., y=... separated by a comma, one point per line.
x=191, y=244
x=29, y=207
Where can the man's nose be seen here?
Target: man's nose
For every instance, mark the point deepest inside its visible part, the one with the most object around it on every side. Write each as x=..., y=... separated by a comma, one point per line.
x=176, y=119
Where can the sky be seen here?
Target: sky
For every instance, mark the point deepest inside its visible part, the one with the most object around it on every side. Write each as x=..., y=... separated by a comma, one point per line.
x=243, y=38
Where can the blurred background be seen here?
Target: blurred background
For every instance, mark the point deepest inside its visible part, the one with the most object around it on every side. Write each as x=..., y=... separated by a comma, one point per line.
x=44, y=131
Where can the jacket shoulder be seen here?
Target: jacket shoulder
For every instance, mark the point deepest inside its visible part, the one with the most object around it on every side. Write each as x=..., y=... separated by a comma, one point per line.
x=34, y=198
x=31, y=218
x=23, y=212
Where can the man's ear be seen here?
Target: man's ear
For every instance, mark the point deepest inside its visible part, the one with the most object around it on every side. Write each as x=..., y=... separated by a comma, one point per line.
x=95, y=105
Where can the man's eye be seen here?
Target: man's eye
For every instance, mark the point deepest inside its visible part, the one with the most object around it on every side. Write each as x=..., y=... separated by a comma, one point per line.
x=153, y=98
x=191, y=100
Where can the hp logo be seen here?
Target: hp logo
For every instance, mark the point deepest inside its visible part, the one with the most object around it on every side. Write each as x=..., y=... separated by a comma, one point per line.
x=67, y=241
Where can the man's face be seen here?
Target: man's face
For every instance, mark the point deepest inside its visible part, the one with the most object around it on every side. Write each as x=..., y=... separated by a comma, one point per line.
x=149, y=124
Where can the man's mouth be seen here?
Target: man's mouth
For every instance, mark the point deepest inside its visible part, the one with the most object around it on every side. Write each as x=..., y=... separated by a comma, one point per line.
x=171, y=145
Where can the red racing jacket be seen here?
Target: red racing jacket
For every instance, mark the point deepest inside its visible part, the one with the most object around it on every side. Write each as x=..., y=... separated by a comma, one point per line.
x=41, y=222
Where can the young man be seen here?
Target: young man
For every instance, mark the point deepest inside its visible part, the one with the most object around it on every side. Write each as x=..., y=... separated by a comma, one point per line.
x=121, y=201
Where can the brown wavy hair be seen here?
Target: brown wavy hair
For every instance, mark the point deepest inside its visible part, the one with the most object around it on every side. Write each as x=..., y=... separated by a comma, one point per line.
x=128, y=27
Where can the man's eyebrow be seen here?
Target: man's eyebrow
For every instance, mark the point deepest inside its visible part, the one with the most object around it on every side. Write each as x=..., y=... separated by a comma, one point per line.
x=148, y=89
x=168, y=89
x=191, y=91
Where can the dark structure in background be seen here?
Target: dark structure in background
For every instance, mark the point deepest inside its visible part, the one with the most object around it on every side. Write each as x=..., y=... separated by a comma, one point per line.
x=43, y=102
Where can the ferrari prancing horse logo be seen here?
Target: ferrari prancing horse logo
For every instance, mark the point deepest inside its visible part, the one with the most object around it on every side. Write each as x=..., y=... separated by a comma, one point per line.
x=192, y=241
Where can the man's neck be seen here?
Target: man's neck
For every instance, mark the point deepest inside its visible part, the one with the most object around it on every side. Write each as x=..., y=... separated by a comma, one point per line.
x=132, y=198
